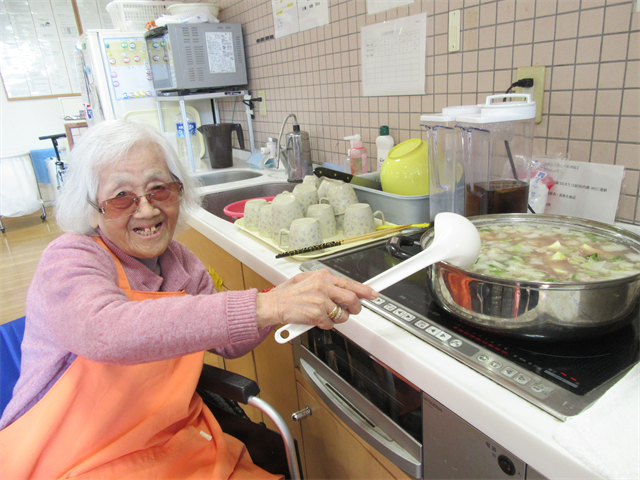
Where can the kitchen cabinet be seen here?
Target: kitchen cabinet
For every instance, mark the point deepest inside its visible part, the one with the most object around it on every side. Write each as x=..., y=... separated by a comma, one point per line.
x=333, y=450
x=230, y=270
x=270, y=364
x=275, y=370
x=328, y=448
x=225, y=265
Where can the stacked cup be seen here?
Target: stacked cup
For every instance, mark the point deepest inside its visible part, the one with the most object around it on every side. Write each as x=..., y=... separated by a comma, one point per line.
x=339, y=196
x=314, y=212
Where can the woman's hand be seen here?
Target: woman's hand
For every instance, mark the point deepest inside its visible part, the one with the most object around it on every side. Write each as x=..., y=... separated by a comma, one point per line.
x=309, y=298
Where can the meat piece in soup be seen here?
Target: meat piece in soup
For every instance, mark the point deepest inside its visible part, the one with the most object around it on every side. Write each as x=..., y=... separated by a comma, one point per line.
x=548, y=253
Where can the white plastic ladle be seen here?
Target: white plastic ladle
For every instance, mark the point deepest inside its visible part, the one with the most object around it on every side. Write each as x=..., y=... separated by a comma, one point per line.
x=456, y=241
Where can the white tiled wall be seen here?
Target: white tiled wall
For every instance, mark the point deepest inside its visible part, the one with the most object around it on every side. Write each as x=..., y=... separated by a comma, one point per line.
x=591, y=49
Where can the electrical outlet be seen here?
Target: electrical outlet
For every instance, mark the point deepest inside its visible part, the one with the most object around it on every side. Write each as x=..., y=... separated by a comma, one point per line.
x=263, y=103
x=537, y=91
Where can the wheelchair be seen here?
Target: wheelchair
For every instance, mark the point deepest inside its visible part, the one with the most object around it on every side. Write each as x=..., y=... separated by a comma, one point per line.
x=221, y=391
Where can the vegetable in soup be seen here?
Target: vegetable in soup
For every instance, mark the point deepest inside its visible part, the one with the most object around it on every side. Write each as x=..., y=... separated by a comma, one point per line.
x=549, y=253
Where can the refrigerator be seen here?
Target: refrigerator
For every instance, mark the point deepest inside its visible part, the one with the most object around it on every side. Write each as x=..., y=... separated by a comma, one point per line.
x=116, y=74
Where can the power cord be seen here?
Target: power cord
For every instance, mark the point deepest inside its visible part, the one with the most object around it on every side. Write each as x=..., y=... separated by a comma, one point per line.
x=523, y=83
x=249, y=103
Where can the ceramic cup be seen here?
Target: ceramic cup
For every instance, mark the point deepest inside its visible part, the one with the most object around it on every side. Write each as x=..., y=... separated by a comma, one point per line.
x=323, y=189
x=252, y=213
x=284, y=194
x=306, y=195
x=327, y=220
x=340, y=196
x=264, y=228
x=311, y=180
x=304, y=232
x=285, y=210
x=359, y=219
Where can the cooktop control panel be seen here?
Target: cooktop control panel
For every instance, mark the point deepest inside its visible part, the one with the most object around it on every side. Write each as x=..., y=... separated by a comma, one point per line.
x=479, y=358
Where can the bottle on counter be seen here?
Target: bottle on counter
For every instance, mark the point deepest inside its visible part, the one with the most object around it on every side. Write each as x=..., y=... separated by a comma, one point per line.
x=181, y=140
x=384, y=144
x=358, y=159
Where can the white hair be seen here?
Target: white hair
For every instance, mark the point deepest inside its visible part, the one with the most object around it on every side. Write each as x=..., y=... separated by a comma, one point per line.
x=106, y=144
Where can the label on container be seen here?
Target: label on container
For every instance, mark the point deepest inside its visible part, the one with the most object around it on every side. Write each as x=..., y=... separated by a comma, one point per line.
x=180, y=129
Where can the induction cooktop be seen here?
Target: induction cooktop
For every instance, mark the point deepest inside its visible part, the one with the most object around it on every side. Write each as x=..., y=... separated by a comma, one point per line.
x=561, y=377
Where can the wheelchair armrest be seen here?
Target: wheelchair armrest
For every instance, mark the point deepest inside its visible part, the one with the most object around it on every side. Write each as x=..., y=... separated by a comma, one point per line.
x=227, y=384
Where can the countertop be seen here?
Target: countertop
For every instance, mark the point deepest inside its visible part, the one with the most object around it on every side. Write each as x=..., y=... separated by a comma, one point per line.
x=520, y=427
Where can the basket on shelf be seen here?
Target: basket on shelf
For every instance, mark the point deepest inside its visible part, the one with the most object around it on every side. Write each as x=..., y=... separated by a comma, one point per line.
x=132, y=15
x=185, y=9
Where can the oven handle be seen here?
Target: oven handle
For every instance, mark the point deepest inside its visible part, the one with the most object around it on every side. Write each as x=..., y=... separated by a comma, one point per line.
x=360, y=424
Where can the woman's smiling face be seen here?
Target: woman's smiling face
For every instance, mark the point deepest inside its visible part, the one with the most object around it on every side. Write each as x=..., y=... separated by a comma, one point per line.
x=146, y=233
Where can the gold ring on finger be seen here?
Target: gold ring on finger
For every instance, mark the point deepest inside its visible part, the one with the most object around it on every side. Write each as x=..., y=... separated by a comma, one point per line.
x=335, y=313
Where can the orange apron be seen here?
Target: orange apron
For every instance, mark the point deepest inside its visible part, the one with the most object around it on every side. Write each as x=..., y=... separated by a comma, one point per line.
x=123, y=422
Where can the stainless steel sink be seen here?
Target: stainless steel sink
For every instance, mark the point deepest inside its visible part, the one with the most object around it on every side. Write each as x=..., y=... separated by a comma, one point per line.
x=215, y=202
x=216, y=178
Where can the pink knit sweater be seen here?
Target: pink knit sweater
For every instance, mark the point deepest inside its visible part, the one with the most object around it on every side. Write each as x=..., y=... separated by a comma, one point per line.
x=74, y=307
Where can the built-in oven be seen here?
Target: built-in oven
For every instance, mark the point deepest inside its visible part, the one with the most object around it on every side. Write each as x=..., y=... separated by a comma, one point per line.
x=414, y=431
x=374, y=401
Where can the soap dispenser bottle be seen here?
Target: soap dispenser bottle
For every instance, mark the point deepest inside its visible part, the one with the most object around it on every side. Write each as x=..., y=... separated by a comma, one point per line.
x=384, y=144
x=358, y=159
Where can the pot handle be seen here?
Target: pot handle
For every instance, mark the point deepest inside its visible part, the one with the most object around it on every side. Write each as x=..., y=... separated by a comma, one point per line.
x=395, y=244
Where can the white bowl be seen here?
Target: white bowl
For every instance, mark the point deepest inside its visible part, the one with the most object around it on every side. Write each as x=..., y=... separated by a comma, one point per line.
x=187, y=8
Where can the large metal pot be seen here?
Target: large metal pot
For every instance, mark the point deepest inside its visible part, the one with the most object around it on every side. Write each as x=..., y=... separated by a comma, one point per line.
x=546, y=311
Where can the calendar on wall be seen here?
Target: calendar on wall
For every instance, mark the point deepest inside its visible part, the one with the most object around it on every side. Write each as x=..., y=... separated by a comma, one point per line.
x=38, y=43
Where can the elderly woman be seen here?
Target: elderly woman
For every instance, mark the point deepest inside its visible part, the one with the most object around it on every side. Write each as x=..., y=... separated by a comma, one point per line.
x=118, y=317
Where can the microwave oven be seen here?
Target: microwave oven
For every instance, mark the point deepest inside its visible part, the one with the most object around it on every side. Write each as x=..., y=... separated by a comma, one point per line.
x=187, y=58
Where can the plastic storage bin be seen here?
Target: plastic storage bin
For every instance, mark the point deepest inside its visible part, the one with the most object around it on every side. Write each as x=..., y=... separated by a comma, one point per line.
x=132, y=15
x=398, y=209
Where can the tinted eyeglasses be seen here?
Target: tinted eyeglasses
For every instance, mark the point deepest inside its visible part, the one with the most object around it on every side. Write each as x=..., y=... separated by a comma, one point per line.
x=126, y=204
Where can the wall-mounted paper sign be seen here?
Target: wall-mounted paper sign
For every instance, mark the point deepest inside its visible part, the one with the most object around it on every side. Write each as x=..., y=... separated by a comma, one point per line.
x=293, y=16
x=377, y=6
x=394, y=57
x=38, y=54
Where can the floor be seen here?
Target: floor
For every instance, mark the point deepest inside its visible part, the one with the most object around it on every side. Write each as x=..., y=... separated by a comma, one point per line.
x=22, y=243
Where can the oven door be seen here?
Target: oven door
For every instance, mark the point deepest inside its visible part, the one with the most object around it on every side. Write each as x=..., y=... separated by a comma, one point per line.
x=375, y=402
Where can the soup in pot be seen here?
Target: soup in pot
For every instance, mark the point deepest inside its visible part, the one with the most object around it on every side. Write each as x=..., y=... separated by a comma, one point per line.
x=548, y=253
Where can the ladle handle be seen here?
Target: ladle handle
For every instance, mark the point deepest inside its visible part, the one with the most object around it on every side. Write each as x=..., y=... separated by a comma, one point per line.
x=384, y=280
x=293, y=329
x=427, y=257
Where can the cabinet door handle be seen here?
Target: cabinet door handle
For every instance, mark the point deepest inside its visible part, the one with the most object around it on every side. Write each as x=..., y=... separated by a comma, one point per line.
x=300, y=414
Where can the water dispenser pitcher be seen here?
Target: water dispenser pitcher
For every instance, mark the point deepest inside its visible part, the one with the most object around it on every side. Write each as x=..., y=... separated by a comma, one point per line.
x=446, y=168
x=496, y=146
x=218, y=137
x=297, y=155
